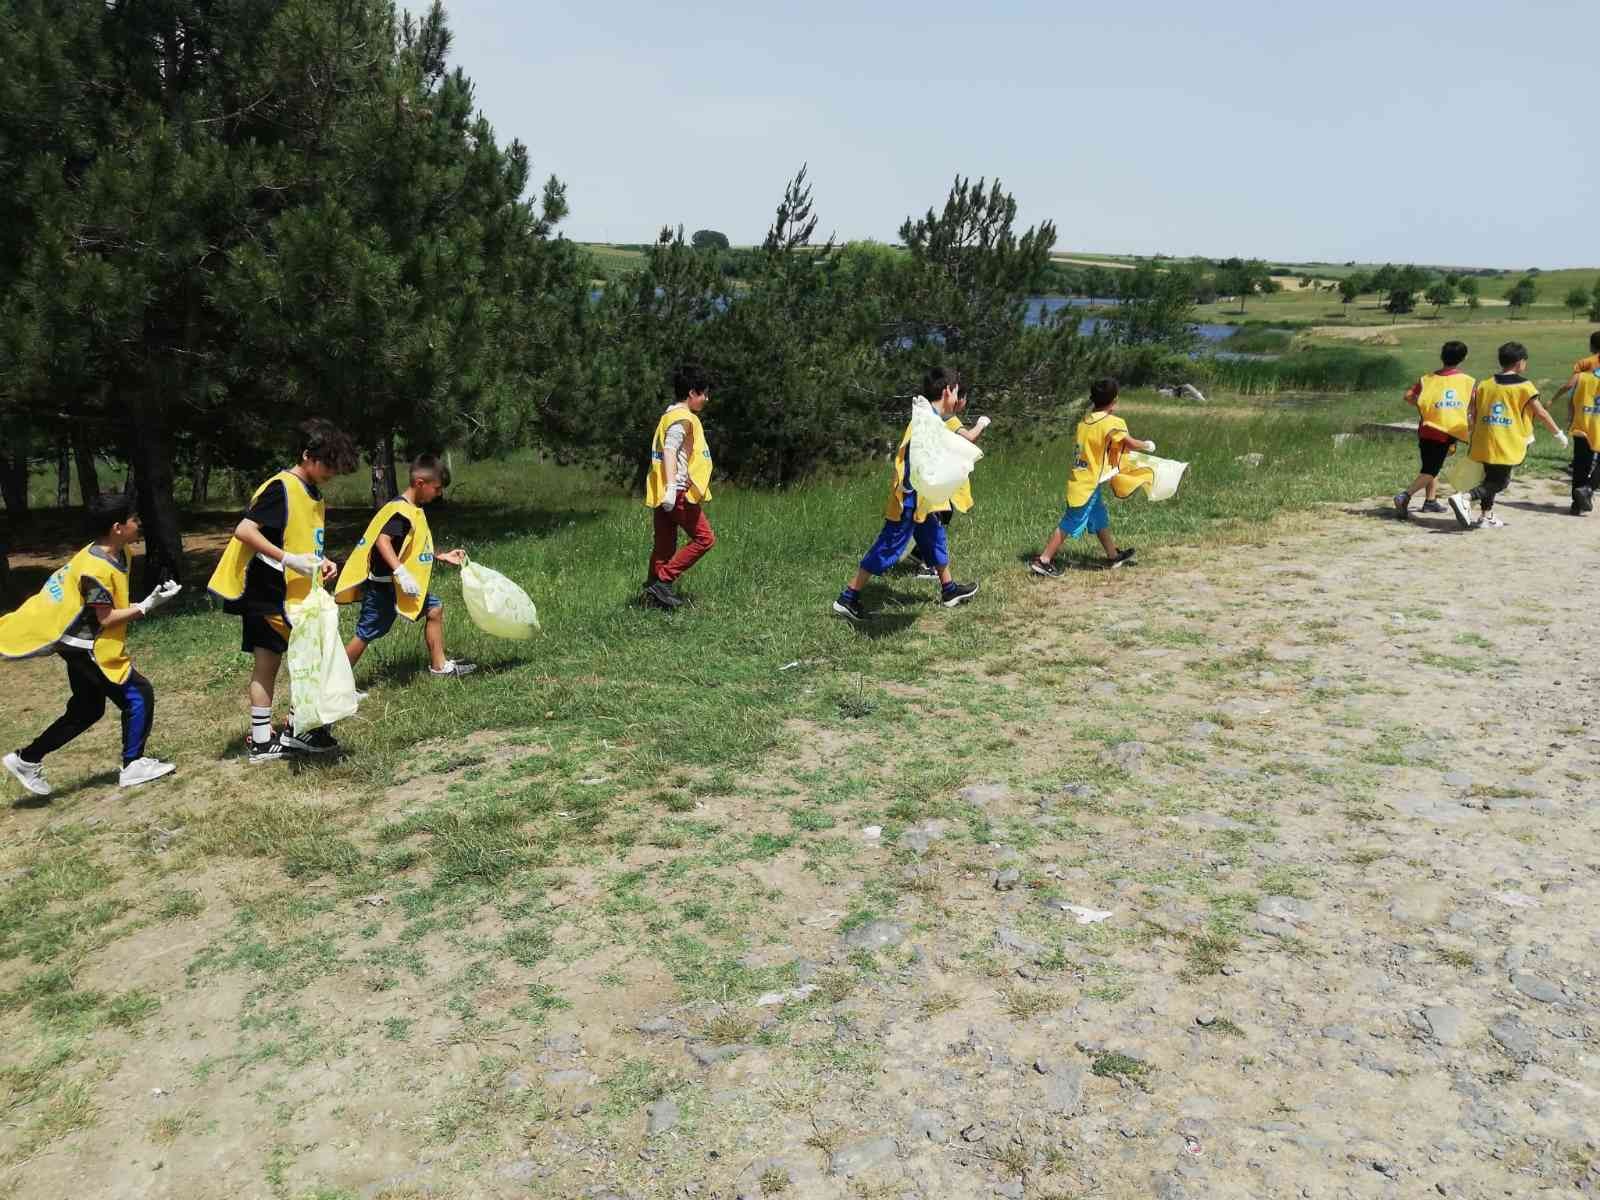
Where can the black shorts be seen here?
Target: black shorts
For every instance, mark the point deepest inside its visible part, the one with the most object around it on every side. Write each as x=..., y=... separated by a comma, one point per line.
x=1433, y=455
x=265, y=631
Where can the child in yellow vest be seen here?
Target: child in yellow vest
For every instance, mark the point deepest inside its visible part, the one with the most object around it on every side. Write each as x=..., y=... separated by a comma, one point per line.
x=82, y=614
x=1582, y=367
x=1440, y=398
x=391, y=566
x=1584, y=427
x=274, y=559
x=678, y=486
x=1499, y=430
x=907, y=519
x=1101, y=440
x=962, y=501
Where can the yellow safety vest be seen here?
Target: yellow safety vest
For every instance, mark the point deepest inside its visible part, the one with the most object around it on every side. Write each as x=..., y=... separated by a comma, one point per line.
x=304, y=534
x=1442, y=403
x=1502, y=428
x=697, y=451
x=1586, y=408
x=39, y=626
x=894, y=508
x=415, y=554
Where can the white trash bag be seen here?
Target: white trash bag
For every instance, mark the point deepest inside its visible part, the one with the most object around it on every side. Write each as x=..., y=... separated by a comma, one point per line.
x=1169, y=472
x=940, y=458
x=321, y=685
x=496, y=605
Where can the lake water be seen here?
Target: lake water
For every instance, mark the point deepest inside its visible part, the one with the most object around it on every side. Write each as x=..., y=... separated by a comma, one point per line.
x=1041, y=306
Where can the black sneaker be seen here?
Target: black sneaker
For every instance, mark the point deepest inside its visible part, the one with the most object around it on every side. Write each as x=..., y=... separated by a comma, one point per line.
x=851, y=610
x=924, y=571
x=1432, y=506
x=1123, y=558
x=1048, y=569
x=957, y=593
x=1582, y=500
x=316, y=741
x=265, y=752
x=661, y=595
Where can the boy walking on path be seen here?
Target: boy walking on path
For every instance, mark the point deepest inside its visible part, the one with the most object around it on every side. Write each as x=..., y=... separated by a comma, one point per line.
x=1441, y=400
x=82, y=613
x=1101, y=440
x=1584, y=427
x=962, y=501
x=273, y=560
x=392, y=565
x=678, y=486
x=1500, y=427
x=907, y=519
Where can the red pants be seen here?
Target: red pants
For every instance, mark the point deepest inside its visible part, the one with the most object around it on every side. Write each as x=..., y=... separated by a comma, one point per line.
x=667, y=562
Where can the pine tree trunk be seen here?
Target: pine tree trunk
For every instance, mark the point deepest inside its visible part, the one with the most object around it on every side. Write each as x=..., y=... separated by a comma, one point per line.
x=152, y=478
x=383, y=478
x=14, y=479
x=88, y=475
x=63, y=474
x=202, y=476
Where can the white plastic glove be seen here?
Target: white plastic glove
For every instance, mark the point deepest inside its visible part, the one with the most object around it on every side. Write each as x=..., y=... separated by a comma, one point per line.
x=304, y=564
x=1149, y=447
x=981, y=424
x=1563, y=439
x=407, y=581
x=670, y=501
x=163, y=592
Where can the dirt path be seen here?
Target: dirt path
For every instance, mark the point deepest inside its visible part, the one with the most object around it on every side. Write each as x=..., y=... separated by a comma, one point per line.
x=1263, y=873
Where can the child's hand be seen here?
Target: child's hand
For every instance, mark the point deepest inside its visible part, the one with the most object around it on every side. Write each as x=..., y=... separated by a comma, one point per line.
x=1149, y=447
x=329, y=569
x=1563, y=439
x=454, y=557
x=983, y=423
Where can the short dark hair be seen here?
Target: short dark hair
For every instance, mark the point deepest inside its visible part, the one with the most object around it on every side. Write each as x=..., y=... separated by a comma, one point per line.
x=939, y=378
x=1511, y=353
x=1103, y=392
x=1594, y=341
x=690, y=377
x=104, y=511
x=327, y=444
x=428, y=466
x=1453, y=354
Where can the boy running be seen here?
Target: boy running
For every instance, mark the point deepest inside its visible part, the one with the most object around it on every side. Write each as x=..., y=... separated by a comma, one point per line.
x=1441, y=400
x=1101, y=440
x=273, y=560
x=1499, y=429
x=391, y=566
x=82, y=613
x=906, y=518
x=678, y=486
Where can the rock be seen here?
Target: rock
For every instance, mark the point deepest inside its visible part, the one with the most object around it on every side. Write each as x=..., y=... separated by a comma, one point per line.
x=1009, y=939
x=1205, y=1019
x=875, y=935
x=1042, y=1067
x=1203, y=729
x=1536, y=988
x=1078, y=791
x=568, y=1044
x=1515, y=1038
x=982, y=794
x=652, y=1026
x=1063, y=1090
x=859, y=1156
x=1012, y=1189
x=1458, y=779
x=768, y=999
x=1444, y=1024
x=1125, y=756
x=709, y=1056
x=974, y=1133
x=1285, y=908
x=926, y=1123
x=919, y=837
x=1006, y=880
x=1340, y=1033
x=661, y=1116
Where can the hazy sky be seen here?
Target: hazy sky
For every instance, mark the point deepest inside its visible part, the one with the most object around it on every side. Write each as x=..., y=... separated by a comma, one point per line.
x=1459, y=133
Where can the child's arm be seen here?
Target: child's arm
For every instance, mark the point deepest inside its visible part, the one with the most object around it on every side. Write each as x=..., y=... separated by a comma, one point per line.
x=249, y=533
x=1544, y=419
x=973, y=433
x=1571, y=385
x=407, y=581
x=454, y=557
x=1130, y=442
x=110, y=618
x=1414, y=394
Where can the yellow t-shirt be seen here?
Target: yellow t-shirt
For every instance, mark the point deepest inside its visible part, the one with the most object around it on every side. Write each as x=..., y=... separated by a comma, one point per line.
x=1096, y=450
x=1502, y=421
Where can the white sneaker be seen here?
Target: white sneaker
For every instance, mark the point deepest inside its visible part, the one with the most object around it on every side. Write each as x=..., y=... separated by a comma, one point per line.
x=1462, y=508
x=143, y=770
x=452, y=667
x=29, y=775
x=1490, y=521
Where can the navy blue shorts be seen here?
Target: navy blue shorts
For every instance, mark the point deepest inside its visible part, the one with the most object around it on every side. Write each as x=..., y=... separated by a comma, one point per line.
x=378, y=610
x=929, y=536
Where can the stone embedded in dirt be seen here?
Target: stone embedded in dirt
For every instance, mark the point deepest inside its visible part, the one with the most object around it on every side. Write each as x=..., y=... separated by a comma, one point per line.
x=768, y=999
x=1286, y=908
x=1205, y=1018
x=1011, y=1189
x=654, y=1026
x=1444, y=1023
x=1063, y=1090
x=860, y=1156
x=1340, y=1033
x=1009, y=939
x=1203, y=729
x=974, y=1132
x=984, y=793
x=661, y=1116
x=875, y=935
x=1007, y=879
x=920, y=836
x=1125, y=755
x=1535, y=988
x=1458, y=779
x=1515, y=1038
x=926, y=1123
x=1041, y=1066
x=709, y=1056
x=564, y=1043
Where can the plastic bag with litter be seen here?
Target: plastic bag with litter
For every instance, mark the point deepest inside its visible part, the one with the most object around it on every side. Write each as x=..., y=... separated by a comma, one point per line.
x=1161, y=482
x=940, y=458
x=321, y=685
x=496, y=605
x=1462, y=473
